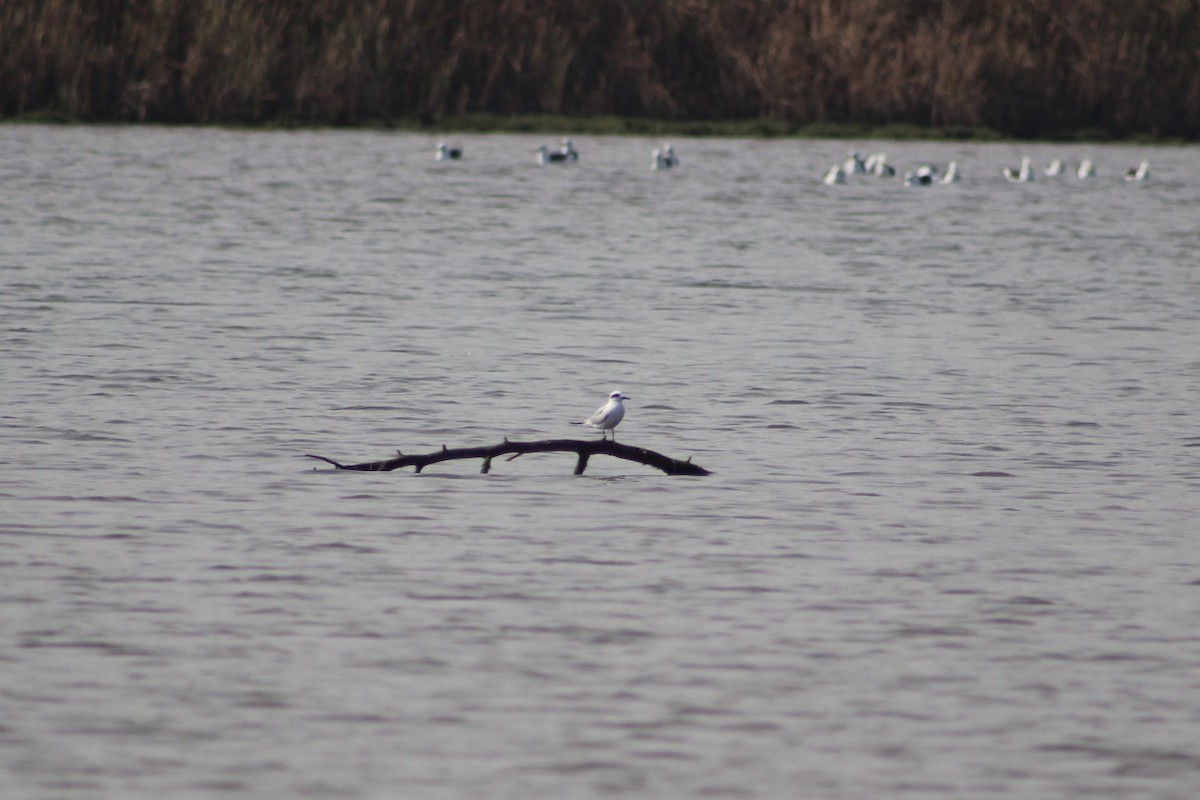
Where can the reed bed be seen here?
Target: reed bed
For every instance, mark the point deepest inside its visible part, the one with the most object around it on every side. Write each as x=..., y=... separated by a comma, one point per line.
x=1020, y=67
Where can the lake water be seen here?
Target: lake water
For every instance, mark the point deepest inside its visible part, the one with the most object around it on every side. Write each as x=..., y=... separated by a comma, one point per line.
x=949, y=548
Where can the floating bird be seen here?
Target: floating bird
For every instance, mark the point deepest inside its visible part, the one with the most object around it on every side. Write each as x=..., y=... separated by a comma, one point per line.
x=877, y=165
x=609, y=415
x=445, y=153
x=1055, y=168
x=1023, y=175
x=924, y=176
x=665, y=158
x=548, y=156
x=568, y=150
x=1086, y=169
x=835, y=176
x=951, y=175
x=854, y=164
x=1139, y=173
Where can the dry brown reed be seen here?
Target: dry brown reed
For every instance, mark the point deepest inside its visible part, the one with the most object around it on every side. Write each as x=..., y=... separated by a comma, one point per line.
x=1021, y=67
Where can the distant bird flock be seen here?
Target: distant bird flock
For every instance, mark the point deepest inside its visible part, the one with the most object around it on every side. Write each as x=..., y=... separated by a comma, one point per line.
x=875, y=165
x=928, y=174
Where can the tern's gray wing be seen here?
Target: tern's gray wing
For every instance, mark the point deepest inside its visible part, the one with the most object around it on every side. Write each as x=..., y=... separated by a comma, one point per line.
x=600, y=415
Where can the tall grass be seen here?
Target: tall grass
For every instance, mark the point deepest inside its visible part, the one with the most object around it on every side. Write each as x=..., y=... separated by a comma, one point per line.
x=1022, y=67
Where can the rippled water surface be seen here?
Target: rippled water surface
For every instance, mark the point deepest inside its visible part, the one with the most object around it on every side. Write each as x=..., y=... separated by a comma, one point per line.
x=949, y=549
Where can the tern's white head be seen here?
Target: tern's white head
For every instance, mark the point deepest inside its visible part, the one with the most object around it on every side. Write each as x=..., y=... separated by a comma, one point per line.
x=617, y=396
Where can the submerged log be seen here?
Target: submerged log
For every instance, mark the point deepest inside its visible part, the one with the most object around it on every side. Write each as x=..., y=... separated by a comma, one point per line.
x=583, y=448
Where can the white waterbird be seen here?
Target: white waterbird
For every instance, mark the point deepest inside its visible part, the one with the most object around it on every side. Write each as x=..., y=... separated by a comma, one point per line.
x=1140, y=173
x=665, y=158
x=854, y=164
x=1022, y=175
x=446, y=153
x=835, y=176
x=609, y=415
x=877, y=165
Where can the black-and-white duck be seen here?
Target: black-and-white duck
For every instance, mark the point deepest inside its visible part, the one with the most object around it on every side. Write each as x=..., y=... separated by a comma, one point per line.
x=447, y=153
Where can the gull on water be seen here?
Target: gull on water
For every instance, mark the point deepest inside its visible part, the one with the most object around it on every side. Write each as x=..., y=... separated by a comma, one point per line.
x=835, y=176
x=1023, y=175
x=445, y=153
x=609, y=415
x=854, y=164
x=1055, y=168
x=665, y=158
x=951, y=175
x=1139, y=173
x=876, y=164
x=1086, y=169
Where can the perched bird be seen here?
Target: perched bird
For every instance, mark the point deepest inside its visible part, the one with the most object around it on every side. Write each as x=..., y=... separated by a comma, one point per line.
x=1086, y=169
x=835, y=176
x=445, y=153
x=1138, y=173
x=1023, y=175
x=609, y=415
x=665, y=158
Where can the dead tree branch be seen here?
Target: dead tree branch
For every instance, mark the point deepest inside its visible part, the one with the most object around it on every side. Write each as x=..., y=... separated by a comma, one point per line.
x=583, y=448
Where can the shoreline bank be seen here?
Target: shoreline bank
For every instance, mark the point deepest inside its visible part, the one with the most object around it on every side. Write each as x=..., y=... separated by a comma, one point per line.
x=548, y=124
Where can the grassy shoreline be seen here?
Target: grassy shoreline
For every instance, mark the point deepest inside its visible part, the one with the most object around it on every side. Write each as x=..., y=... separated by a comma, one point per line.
x=1087, y=69
x=607, y=125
